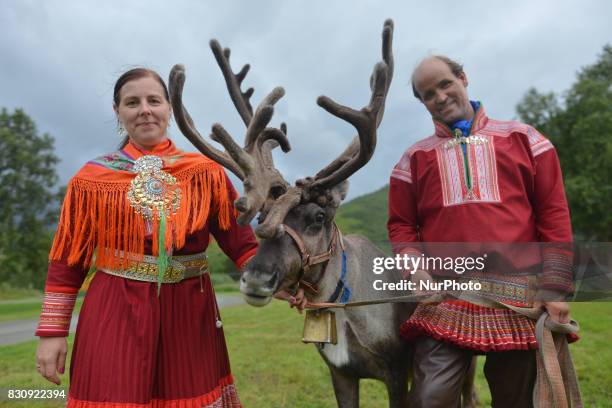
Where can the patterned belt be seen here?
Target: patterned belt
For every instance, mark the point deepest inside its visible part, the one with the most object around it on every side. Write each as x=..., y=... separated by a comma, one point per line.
x=179, y=267
x=515, y=289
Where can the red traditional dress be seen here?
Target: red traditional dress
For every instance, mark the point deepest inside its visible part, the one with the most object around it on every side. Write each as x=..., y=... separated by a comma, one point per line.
x=502, y=184
x=136, y=347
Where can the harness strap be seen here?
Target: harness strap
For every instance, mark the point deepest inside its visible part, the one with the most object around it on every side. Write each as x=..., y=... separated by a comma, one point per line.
x=309, y=260
x=297, y=240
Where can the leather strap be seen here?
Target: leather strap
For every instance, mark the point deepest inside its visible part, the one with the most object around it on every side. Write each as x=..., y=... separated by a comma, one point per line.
x=308, y=260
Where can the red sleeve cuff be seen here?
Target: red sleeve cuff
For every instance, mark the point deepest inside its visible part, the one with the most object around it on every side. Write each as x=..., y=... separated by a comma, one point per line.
x=56, y=314
x=244, y=258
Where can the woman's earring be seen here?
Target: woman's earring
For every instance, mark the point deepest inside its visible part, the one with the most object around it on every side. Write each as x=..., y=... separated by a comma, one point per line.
x=121, y=129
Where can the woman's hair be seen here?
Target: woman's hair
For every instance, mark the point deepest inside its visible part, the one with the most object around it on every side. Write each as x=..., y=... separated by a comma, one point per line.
x=131, y=75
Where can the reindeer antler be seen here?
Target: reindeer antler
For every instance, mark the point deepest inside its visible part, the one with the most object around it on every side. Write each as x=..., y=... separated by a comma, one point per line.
x=366, y=121
x=356, y=155
x=253, y=164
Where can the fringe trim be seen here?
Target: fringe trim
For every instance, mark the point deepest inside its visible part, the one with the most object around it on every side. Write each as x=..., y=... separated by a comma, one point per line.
x=97, y=217
x=471, y=326
x=223, y=396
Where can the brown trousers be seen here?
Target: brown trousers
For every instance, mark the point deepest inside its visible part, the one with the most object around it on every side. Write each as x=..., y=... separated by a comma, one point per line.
x=439, y=370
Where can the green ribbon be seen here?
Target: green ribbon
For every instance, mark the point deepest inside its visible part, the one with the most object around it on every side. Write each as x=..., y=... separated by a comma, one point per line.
x=162, y=258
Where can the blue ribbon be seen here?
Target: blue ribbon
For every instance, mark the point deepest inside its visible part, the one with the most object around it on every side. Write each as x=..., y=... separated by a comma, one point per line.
x=342, y=291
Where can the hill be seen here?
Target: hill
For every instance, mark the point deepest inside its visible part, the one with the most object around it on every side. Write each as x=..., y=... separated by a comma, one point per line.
x=366, y=215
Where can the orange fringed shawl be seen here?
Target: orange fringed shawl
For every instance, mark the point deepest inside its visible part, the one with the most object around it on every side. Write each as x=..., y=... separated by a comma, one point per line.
x=97, y=217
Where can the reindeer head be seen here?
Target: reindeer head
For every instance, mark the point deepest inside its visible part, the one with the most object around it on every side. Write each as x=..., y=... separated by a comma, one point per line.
x=295, y=222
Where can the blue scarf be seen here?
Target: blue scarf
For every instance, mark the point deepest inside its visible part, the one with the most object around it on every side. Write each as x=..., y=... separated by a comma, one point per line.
x=465, y=125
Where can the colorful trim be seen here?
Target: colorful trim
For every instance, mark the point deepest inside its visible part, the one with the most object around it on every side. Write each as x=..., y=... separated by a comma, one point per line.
x=97, y=214
x=538, y=143
x=471, y=326
x=56, y=314
x=246, y=257
x=118, y=160
x=482, y=171
x=516, y=290
x=223, y=396
x=557, y=274
x=402, y=170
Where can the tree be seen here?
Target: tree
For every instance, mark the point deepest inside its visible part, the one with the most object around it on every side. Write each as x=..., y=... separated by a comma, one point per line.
x=580, y=127
x=28, y=205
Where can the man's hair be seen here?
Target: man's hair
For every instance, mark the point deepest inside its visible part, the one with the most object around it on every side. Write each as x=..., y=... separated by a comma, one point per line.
x=455, y=67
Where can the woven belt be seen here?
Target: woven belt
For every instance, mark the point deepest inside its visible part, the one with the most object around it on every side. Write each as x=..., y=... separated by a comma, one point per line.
x=179, y=267
x=521, y=291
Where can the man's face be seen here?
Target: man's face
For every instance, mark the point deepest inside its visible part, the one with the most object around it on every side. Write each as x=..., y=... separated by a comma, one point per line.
x=443, y=94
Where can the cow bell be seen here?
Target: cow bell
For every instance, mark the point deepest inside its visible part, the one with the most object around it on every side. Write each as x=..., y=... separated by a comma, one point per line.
x=320, y=327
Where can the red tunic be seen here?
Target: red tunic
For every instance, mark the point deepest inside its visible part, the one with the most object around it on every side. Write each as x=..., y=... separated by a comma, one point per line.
x=134, y=348
x=507, y=189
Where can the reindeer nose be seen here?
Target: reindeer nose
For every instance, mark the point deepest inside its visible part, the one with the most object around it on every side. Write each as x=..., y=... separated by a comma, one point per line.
x=258, y=283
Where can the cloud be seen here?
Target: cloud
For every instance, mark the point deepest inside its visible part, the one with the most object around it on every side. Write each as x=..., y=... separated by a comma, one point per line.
x=60, y=60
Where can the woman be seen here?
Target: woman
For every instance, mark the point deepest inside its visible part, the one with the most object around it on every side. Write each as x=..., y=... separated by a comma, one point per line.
x=149, y=331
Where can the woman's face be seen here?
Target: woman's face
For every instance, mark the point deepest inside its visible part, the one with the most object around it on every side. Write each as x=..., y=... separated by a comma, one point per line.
x=144, y=111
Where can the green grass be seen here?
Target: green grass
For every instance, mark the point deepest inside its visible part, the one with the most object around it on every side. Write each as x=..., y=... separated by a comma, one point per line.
x=10, y=293
x=274, y=369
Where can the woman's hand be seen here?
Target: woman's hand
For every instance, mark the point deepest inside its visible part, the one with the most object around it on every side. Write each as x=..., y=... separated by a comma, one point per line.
x=298, y=300
x=51, y=357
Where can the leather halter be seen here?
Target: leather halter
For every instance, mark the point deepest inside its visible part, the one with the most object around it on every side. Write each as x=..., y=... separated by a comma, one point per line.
x=308, y=260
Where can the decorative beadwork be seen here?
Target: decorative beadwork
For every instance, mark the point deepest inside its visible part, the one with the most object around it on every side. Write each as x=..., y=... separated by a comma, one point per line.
x=179, y=268
x=118, y=160
x=474, y=139
x=153, y=190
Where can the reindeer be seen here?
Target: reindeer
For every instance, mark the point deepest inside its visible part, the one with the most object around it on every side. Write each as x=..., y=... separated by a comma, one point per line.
x=300, y=243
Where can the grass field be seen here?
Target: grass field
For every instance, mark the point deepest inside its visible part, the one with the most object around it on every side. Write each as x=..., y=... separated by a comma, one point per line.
x=274, y=369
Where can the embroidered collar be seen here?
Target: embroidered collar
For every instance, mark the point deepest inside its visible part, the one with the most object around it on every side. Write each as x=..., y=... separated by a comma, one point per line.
x=479, y=120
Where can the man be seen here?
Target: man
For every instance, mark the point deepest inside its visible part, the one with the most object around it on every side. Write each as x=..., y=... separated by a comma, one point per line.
x=478, y=180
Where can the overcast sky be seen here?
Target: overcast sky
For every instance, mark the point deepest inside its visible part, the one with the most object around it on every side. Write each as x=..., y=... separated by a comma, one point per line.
x=59, y=61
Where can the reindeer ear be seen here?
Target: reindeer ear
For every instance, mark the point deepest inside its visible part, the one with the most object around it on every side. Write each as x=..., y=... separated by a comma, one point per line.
x=339, y=192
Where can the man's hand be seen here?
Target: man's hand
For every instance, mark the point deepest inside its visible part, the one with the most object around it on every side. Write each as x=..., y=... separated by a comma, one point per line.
x=558, y=311
x=298, y=300
x=51, y=357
